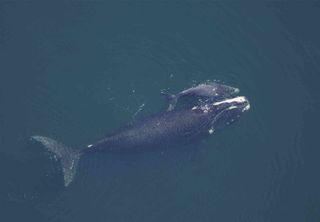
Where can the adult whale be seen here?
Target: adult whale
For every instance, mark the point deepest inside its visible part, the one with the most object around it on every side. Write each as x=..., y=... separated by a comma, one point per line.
x=179, y=126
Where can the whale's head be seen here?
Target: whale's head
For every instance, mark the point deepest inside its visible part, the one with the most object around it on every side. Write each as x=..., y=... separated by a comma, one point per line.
x=223, y=91
x=228, y=111
x=224, y=112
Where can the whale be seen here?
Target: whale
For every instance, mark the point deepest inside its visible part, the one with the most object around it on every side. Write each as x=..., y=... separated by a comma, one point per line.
x=207, y=91
x=155, y=132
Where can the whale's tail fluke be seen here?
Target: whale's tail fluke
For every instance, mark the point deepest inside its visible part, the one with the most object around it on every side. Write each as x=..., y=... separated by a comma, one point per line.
x=172, y=99
x=68, y=157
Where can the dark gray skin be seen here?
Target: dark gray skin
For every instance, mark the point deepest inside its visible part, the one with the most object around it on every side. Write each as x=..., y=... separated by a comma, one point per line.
x=209, y=91
x=158, y=131
x=151, y=133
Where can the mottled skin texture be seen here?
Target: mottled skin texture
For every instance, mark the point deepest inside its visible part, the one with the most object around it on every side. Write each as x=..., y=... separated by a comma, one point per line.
x=162, y=130
x=213, y=90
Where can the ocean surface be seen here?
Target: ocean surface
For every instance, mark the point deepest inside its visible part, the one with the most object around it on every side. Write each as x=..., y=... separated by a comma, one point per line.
x=76, y=71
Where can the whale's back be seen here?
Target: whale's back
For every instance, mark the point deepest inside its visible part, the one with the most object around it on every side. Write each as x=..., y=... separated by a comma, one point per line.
x=155, y=132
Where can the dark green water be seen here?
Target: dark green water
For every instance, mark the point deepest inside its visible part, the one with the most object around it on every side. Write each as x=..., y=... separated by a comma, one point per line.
x=79, y=70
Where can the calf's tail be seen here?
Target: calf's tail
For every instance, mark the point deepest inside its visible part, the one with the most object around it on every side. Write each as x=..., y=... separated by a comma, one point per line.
x=171, y=98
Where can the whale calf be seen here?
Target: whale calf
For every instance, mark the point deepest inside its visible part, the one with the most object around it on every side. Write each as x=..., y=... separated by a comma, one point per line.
x=159, y=131
x=208, y=91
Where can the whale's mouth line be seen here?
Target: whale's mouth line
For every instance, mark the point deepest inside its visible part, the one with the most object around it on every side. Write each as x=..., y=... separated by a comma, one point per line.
x=216, y=118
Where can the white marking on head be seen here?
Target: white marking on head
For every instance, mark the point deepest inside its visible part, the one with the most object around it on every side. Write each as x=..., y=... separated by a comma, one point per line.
x=195, y=107
x=90, y=145
x=211, y=131
x=236, y=99
x=205, y=108
x=232, y=107
x=247, y=107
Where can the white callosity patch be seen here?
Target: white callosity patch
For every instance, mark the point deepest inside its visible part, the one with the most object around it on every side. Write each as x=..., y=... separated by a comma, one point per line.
x=235, y=102
x=247, y=107
x=238, y=99
x=211, y=131
x=205, y=108
x=90, y=145
x=232, y=107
